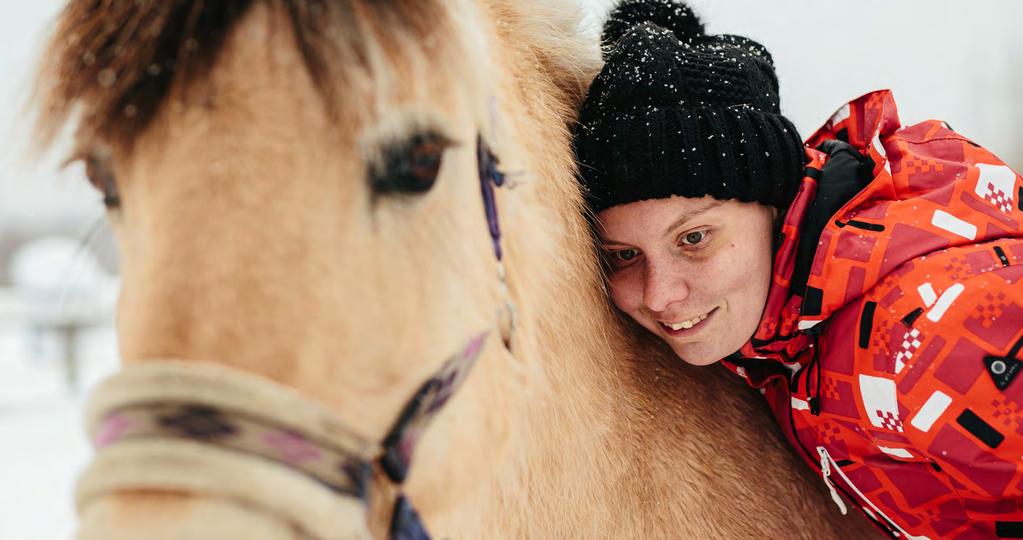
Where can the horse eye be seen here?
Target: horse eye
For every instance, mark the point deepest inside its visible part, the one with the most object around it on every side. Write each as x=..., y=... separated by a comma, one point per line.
x=101, y=175
x=410, y=166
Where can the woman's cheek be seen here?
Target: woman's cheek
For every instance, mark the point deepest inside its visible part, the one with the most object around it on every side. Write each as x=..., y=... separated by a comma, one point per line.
x=623, y=289
x=728, y=271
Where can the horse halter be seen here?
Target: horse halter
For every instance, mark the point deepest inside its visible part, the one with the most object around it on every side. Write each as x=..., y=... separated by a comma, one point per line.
x=209, y=429
x=491, y=177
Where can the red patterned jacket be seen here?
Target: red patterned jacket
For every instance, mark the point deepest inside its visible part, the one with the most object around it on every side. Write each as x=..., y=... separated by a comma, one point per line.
x=890, y=344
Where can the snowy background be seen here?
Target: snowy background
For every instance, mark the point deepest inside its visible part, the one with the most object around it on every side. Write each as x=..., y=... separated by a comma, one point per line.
x=943, y=59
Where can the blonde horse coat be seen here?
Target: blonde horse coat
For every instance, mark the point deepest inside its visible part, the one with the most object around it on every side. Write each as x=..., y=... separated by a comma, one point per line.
x=250, y=237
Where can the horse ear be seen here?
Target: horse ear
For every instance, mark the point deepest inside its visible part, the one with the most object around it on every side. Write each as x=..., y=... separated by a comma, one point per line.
x=668, y=14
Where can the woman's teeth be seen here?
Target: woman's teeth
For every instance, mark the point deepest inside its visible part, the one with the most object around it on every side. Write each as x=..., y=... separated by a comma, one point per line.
x=686, y=324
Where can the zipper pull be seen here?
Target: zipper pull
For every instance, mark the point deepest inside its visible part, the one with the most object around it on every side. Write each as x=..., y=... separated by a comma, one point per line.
x=826, y=474
x=815, y=405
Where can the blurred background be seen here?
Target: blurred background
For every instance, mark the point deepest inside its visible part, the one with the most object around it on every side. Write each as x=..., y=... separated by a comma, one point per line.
x=962, y=63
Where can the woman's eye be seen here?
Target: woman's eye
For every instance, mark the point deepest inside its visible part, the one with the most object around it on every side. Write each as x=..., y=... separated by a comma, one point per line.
x=693, y=238
x=625, y=255
x=101, y=176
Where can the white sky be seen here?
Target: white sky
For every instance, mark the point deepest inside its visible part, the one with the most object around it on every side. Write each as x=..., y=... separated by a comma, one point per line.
x=31, y=192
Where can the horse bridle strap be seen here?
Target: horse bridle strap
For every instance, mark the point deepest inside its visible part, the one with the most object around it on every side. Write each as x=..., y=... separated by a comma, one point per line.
x=197, y=427
x=191, y=467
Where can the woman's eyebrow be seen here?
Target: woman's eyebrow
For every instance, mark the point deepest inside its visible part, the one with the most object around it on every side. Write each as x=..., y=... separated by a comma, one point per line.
x=690, y=215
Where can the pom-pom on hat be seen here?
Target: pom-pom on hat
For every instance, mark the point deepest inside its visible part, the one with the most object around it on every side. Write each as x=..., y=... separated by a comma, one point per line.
x=675, y=111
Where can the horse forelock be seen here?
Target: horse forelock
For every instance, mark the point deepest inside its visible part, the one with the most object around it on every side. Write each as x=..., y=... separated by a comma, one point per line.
x=112, y=64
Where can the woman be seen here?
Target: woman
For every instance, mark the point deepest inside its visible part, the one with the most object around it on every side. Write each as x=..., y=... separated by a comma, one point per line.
x=869, y=282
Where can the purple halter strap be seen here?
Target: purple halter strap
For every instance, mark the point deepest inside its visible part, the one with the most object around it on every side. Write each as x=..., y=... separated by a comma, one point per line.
x=490, y=177
x=398, y=446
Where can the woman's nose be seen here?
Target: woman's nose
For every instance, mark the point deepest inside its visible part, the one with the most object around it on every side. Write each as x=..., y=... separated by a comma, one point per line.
x=664, y=286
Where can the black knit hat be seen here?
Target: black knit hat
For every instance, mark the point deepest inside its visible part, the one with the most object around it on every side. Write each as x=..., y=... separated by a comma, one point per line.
x=675, y=111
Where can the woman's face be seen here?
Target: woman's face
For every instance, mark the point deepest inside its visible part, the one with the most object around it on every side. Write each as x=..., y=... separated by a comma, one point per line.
x=695, y=272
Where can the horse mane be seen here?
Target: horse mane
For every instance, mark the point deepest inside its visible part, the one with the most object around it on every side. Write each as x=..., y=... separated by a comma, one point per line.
x=555, y=32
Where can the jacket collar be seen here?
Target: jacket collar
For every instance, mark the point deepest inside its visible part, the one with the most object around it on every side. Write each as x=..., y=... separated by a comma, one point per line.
x=795, y=306
x=870, y=218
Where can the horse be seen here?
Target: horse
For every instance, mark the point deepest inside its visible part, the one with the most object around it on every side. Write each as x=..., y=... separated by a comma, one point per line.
x=318, y=203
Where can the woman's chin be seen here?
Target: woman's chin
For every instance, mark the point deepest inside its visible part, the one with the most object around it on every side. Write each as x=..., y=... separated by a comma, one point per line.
x=696, y=357
x=701, y=362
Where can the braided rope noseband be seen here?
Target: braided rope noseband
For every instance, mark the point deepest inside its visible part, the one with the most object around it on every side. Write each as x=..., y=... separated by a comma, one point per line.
x=206, y=428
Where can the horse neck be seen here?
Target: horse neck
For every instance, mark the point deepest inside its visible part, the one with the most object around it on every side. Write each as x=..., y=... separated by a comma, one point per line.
x=580, y=439
x=574, y=439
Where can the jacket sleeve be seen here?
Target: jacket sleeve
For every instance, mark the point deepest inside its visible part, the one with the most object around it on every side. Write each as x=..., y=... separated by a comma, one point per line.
x=950, y=327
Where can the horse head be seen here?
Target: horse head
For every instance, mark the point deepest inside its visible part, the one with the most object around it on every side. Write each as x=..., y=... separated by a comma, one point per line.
x=308, y=193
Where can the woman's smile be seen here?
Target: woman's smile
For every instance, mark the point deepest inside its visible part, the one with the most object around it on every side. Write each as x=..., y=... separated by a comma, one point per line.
x=686, y=327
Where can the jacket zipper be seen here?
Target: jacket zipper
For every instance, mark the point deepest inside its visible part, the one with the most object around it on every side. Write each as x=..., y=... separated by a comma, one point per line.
x=827, y=465
x=826, y=462
x=826, y=473
x=885, y=525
